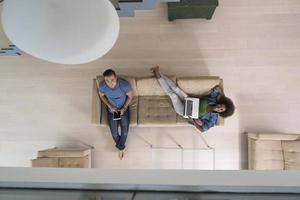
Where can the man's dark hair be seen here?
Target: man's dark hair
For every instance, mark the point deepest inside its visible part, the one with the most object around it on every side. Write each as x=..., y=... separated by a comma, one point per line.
x=109, y=72
x=230, y=108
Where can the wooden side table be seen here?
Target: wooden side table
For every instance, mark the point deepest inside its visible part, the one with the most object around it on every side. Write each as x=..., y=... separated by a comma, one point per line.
x=187, y=9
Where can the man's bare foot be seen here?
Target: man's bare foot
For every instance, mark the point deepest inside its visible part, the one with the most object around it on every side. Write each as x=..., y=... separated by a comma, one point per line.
x=155, y=71
x=121, y=154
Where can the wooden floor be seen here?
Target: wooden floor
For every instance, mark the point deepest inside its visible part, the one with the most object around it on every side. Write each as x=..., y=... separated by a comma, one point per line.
x=253, y=45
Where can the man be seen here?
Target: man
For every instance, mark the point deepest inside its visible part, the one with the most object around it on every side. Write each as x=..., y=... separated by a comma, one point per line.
x=116, y=94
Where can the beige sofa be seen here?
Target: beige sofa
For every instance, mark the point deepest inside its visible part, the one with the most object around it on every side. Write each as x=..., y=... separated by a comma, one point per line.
x=80, y=157
x=150, y=105
x=273, y=151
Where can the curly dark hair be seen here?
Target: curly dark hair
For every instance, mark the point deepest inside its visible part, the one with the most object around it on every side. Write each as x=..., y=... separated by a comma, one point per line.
x=230, y=108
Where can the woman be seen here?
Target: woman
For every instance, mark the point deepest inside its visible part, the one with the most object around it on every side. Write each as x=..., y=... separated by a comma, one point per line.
x=211, y=106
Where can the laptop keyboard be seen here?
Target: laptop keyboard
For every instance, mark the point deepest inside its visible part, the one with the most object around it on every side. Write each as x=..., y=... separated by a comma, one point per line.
x=189, y=107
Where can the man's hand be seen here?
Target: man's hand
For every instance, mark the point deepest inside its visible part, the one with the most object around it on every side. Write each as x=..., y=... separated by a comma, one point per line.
x=112, y=109
x=123, y=110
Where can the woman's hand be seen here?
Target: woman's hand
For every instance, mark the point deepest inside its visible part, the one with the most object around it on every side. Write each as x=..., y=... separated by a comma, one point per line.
x=191, y=121
x=197, y=123
x=219, y=89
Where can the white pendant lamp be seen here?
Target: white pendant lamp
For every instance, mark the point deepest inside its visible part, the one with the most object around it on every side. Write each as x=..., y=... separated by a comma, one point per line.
x=61, y=31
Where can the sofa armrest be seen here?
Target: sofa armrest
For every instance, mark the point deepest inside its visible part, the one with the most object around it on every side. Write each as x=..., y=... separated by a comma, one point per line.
x=274, y=136
x=220, y=121
x=96, y=103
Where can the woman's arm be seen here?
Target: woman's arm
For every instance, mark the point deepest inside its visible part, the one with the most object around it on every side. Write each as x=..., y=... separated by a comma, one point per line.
x=220, y=91
x=206, y=122
x=198, y=126
x=209, y=120
x=197, y=123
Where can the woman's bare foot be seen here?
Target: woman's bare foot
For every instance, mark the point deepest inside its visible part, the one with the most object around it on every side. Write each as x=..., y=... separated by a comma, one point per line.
x=121, y=154
x=155, y=71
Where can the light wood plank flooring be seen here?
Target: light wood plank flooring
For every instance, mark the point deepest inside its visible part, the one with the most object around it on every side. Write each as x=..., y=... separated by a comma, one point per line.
x=253, y=45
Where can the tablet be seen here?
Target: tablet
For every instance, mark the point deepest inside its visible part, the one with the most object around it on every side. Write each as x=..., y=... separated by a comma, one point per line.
x=117, y=115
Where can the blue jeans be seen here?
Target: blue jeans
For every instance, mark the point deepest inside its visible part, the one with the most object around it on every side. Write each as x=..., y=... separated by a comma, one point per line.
x=114, y=128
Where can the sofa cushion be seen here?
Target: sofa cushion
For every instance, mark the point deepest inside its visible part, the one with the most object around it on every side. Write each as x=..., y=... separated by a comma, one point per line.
x=74, y=162
x=149, y=86
x=156, y=110
x=198, y=85
x=291, y=152
x=268, y=165
x=45, y=162
x=265, y=154
x=132, y=109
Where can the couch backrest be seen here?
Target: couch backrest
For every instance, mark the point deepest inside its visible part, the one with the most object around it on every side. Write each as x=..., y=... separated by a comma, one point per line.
x=274, y=136
x=198, y=85
x=149, y=86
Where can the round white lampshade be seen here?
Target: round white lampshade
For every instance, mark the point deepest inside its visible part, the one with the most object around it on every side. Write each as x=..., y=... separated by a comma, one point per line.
x=61, y=31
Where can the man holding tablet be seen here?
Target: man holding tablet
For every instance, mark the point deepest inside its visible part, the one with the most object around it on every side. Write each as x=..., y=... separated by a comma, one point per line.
x=116, y=94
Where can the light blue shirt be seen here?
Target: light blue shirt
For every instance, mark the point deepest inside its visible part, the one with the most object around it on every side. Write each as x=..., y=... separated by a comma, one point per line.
x=116, y=96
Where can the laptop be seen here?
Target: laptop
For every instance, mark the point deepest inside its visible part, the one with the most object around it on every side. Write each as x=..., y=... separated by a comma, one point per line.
x=191, y=107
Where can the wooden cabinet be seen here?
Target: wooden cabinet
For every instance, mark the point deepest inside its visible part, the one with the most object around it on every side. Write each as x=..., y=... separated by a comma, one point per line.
x=186, y=9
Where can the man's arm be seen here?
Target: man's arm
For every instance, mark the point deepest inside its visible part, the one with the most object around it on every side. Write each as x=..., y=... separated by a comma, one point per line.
x=127, y=102
x=105, y=101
